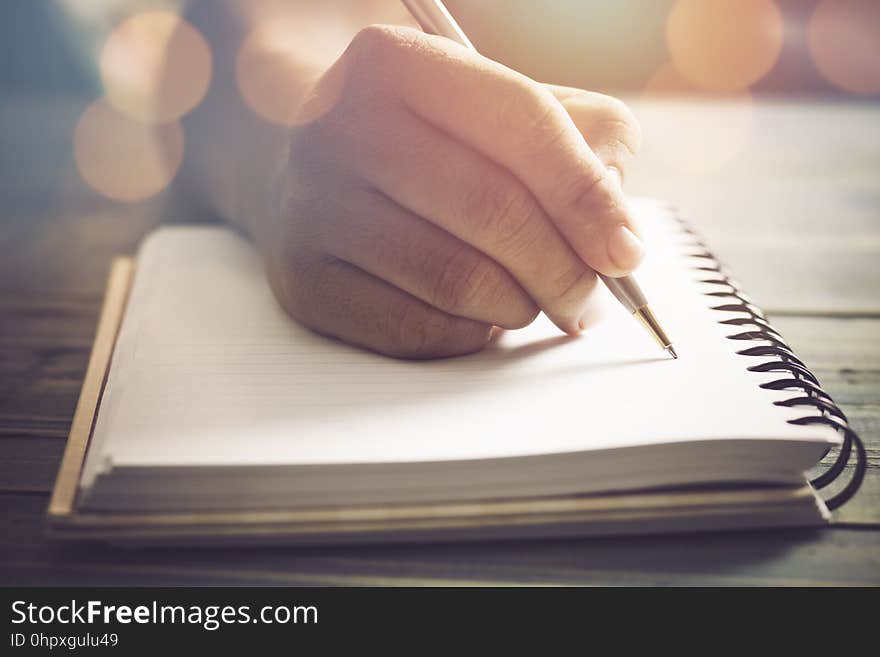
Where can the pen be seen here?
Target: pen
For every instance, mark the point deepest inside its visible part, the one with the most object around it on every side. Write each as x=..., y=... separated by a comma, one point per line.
x=434, y=18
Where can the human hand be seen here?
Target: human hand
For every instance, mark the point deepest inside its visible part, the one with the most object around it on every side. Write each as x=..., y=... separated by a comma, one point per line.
x=432, y=194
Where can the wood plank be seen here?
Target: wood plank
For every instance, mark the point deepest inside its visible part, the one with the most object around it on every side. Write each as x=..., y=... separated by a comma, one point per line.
x=833, y=344
x=779, y=211
x=30, y=463
x=851, y=388
x=66, y=252
x=864, y=509
x=838, y=557
x=792, y=208
x=845, y=356
x=796, y=221
x=45, y=320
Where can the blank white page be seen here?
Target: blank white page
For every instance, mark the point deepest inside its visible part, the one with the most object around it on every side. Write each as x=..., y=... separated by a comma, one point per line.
x=209, y=370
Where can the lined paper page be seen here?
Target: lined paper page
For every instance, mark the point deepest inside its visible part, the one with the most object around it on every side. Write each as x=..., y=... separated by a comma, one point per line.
x=209, y=370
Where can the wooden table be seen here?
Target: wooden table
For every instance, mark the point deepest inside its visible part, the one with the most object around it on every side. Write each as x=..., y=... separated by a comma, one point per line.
x=792, y=205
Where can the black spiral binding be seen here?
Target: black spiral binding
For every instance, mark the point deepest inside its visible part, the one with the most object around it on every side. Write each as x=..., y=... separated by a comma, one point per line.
x=758, y=329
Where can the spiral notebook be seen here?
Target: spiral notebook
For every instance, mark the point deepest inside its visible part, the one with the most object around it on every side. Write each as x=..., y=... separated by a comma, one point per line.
x=209, y=415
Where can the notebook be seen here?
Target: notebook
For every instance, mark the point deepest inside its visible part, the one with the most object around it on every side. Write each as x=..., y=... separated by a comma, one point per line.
x=209, y=414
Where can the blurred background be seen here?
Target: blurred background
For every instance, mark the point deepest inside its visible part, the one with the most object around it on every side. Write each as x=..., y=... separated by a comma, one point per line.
x=760, y=119
x=58, y=56
x=817, y=47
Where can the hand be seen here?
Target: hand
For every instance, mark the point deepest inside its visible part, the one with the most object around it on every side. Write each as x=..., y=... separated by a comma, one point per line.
x=432, y=194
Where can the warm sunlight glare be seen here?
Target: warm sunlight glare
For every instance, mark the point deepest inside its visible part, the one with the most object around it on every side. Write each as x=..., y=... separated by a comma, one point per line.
x=155, y=67
x=724, y=45
x=276, y=67
x=844, y=37
x=123, y=159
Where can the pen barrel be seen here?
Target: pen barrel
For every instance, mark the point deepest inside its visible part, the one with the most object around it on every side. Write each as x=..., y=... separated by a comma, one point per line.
x=434, y=18
x=627, y=291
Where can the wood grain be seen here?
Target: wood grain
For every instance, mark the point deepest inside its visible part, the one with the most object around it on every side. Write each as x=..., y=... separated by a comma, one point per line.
x=794, y=214
x=793, y=207
x=831, y=557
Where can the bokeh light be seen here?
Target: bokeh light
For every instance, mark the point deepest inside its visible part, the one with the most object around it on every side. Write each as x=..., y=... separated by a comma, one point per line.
x=155, y=67
x=724, y=45
x=124, y=159
x=277, y=65
x=844, y=38
x=689, y=131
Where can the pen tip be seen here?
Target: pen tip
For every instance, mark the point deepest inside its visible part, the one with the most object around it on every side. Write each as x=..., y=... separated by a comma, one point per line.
x=671, y=351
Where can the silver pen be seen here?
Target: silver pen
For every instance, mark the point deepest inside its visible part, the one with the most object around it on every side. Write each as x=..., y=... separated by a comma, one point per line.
x=434, y=18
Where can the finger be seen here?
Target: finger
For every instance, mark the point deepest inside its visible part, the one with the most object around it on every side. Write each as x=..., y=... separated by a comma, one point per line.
x=393, y=244
x=337, y=299
x=477, y=201
x=610, y=128
x=515, y=122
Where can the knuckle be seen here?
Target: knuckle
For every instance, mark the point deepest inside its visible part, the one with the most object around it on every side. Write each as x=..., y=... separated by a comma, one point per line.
x=504, y=214
x=377, y=46
x=582, y=191
x=615, y=109
x=467, y=281
x=459, y=279
x=417, y=331
x=499, y=293
x=522, y=315
x=374, y=38
x=575, y=285
x=622, y=127
x=421, y=333
x=414, y=330
x=512, y=307
x=535, y=113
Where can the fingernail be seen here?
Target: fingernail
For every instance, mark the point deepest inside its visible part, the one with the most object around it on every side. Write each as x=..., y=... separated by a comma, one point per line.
x=624, y=248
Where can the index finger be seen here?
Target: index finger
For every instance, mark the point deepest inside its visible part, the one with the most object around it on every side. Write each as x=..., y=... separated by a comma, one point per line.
x=520, y=125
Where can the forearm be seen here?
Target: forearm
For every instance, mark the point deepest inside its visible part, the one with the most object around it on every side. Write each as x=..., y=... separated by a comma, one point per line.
x=407, y=220
x=264, y=65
